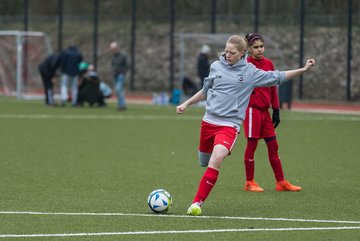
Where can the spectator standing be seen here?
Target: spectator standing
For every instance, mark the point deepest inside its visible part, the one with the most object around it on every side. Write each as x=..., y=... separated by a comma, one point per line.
x=258, y=123
x=119, y=68
x=70, y=60
x=47, y=69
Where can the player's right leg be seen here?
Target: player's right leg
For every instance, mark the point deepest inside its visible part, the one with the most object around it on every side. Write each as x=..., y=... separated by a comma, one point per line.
x=223, y=141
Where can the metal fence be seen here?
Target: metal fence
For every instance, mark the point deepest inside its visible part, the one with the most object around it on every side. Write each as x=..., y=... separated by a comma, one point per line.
x=147, y=33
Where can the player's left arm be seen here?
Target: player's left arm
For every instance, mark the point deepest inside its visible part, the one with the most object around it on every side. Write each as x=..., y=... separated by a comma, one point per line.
x=275, y=106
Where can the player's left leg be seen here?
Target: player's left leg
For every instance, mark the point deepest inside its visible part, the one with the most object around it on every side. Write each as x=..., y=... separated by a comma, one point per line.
x=269, y=135
x=274, y=159
x=275, y=162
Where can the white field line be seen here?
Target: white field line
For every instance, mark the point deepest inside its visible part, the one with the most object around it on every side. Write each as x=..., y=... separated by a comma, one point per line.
x=98, y=117
x=157, y=117
x=327, y=111
x=181, y=216
x=177, y=232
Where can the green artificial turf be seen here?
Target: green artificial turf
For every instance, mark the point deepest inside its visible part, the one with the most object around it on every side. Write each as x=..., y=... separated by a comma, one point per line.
x=88, y=172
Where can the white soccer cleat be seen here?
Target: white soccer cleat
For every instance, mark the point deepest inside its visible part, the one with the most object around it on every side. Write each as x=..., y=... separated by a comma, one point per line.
x=194, y=209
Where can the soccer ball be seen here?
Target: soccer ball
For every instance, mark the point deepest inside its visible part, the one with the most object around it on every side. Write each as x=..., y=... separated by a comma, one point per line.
x=159, y=201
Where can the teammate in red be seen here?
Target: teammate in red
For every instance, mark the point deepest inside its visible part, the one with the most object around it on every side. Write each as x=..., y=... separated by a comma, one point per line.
x=259, y=125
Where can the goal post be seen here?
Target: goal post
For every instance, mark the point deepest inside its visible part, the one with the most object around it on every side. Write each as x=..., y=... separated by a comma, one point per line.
x=20, y=54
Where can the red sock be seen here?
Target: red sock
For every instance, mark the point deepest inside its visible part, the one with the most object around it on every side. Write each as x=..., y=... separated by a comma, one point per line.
x=249, y=158
x=206, y=184
x=275, y=160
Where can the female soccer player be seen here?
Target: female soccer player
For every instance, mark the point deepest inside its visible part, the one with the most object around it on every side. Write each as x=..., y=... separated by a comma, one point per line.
x=227, y=91
x=259, y=125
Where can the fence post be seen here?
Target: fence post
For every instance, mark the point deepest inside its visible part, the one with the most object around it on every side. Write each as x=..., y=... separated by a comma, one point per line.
x=26, y=15
x=95, y=33
x=213, y=15
x=256, y=16
x=301, y=58
x=348, y=82
x=172, y=27
x=59, y=24
x=132, y=45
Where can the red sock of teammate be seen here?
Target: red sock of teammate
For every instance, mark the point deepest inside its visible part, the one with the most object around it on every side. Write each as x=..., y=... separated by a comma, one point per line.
x=206, y=184
x=249, y=158
x=274, y=159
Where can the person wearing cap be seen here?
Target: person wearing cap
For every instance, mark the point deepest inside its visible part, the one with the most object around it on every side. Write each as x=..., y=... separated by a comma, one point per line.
x=203, y=65
x=258, y=123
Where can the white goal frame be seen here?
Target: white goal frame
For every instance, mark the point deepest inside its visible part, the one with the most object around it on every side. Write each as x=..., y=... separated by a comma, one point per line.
x=20, y=41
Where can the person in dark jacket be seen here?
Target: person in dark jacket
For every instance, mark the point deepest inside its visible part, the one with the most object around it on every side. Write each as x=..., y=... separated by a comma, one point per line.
x=203, y=64
x=119, y=68
x=70, y=60
x=47, y=69
x=89, y=87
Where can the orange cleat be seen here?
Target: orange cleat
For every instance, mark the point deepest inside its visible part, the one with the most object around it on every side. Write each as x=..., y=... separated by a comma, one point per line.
x=286, y=186
x=252, y=186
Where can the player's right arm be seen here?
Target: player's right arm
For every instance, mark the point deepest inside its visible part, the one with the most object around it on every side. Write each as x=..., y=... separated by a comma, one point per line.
x=194, y=99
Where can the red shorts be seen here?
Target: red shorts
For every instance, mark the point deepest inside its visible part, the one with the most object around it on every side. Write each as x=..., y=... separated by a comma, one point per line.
x=258, y=124
x=211, y=135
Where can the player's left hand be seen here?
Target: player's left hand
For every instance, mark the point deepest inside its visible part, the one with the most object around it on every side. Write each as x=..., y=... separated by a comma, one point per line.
x=309, y=63
x=181, y=108
x=276, y=117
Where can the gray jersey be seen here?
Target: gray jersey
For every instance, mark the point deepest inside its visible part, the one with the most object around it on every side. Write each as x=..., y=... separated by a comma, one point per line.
x=228, y=88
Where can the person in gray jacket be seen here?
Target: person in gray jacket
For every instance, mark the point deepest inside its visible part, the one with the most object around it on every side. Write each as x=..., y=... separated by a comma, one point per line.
x=227, y=91
x=119, y=68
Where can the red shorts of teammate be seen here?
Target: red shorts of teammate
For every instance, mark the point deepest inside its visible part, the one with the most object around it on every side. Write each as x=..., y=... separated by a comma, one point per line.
x=258, y=124
x=211, y=135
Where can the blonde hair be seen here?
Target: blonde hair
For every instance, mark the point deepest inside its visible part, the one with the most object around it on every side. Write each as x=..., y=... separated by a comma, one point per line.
x=239, y=42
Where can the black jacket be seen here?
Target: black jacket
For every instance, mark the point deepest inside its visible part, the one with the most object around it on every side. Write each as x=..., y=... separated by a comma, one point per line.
x=70, y=59
x=49, y=65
